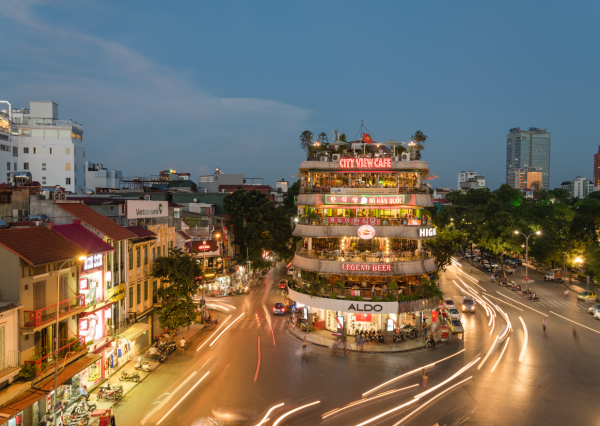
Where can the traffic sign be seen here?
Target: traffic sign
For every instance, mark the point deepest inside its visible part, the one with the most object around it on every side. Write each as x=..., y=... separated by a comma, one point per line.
x=526, y=278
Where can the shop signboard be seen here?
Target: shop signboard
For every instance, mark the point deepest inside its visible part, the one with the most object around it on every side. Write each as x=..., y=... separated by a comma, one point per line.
x=83, y=284
x=141, y=209
x=363, y=317
x=366, y=163
x=367, y=200
x=427, y=232
x=356, y=221
x=364, y=190
x=366, y=232
x=92, y=262
x=116, y=293
x=381, y=267
x=204, y=246
x=354, y=292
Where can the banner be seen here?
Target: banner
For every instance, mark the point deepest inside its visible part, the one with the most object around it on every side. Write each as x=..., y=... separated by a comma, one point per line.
x=116, y=293
x=363, y=317
x=434, y=316
x=140, y=209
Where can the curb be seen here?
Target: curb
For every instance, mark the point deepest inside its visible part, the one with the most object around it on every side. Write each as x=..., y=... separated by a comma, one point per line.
x=364, y=352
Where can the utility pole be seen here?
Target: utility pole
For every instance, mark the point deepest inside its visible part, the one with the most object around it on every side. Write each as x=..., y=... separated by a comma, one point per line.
x=527, y=250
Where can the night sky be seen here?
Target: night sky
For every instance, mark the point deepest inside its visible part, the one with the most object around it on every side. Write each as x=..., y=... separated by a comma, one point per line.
x=198, y=85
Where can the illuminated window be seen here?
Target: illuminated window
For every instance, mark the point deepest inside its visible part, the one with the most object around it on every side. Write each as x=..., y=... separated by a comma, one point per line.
x=67, y=151
x=35, y=150
x=67, y=166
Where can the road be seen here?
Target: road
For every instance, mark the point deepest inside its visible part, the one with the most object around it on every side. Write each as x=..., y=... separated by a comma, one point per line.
x=244, y=369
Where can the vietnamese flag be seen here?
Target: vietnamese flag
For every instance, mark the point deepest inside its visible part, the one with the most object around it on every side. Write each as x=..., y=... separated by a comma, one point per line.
x=367, y=138
x=434, y=316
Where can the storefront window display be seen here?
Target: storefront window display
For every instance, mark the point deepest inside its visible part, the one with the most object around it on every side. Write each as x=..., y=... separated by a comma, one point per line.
x=93, y=326
x=91, y=286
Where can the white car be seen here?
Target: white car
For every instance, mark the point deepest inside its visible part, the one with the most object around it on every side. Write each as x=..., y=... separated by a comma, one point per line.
x=449, y=303
x=594, y=309
x=452, y=313
x=597, y=315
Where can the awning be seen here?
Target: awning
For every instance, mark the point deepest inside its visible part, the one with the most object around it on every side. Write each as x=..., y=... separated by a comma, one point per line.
x=97, y=307
x=134, y=331
x=32, y=396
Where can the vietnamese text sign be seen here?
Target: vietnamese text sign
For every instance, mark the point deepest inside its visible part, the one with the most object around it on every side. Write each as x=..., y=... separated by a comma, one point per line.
x=365, y=199
x=140, y=209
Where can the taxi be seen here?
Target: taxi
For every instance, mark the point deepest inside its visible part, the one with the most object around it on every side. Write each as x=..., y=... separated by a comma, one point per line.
x=456, y=326
x=587, y=295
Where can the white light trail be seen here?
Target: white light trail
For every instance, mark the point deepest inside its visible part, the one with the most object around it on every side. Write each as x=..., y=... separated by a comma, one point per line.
x=411, y=372
x=595, y=331
x=361, y=401
x=501, y=353
x=266, y=417
x=168, y=398
x=504, y=302
x=525, y=342
x=510, y=298
x=184, y=396
x=488, y=354
x=228, y=327
x=458, y=373
x=414, y=401
x=206, y=341
x=293, y=411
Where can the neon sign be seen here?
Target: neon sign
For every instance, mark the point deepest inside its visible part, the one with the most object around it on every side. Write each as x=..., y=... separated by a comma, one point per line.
x=364, y=199
x=367, y=163
x=367, y=267
x=366, y=232
x=427, y=232
x=92, y=262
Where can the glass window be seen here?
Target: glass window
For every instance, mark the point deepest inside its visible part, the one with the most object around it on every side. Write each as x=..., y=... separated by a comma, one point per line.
x=130, y=297
x=130, y=259
x=25, y=166
x=68, y=181
x=67, y=166
x=8, y=166
x=138, y=257
x=37, y=133
x=64, y=133
x=51, y=133
x=153, y=253
x=67, y=151
x=35, y=150
x=139, y=293
x=145, y=255
x=25, y=150
x=145, y=290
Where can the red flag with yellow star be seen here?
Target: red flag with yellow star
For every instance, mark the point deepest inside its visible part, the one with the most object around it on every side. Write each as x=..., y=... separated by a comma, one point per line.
x=367, y=138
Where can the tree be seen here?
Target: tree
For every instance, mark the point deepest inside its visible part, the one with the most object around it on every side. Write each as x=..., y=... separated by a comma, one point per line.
x=343, y=137
x=179, y=274
x=428, y=289
x=289, y=200
x=445, y=245
x=419, y=138
x=322, y=138
x=306, y=141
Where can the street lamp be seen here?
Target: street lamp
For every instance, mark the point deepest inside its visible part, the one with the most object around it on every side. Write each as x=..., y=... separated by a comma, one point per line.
x=81, y=258
x=527, y=249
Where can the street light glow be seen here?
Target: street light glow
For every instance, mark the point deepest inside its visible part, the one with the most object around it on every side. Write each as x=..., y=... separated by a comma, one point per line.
x=516, y=232
x=578, y=260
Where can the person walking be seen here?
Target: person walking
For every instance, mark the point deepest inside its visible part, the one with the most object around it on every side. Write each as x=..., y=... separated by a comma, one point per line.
x=424, y=376
x=182, y=345
x=424, y=329
x=304, y=344
x=544, y=324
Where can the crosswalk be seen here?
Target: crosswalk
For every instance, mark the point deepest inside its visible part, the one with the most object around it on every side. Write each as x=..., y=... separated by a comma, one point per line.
x=253, y=324
x=563, y=304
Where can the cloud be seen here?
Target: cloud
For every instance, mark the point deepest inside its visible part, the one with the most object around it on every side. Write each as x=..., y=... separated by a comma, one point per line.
x=132, y=106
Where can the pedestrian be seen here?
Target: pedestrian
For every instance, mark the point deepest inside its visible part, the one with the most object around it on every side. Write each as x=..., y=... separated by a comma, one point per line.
x=361, y=342
x=83, y=392
x=544, y=324
x=304, y=344
x=424, y=376
x=216, y=320
x=424, y=329
x=182, y=345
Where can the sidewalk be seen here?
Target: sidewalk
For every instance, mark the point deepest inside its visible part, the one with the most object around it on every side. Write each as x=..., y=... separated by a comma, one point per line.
x=326, y=339
x=128, y=386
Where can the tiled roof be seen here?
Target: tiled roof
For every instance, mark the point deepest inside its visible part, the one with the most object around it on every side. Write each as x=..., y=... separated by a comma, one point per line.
x=83, y=238
x=184, y=235
x=97, y=221
x=38, y=245
x=140, y=231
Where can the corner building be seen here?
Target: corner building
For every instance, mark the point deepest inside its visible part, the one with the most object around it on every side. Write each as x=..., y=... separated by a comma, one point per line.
x=362, y=223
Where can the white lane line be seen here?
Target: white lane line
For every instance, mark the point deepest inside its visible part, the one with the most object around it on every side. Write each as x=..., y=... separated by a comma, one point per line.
x=510, y=298
x=500, y=300
x=584, y=326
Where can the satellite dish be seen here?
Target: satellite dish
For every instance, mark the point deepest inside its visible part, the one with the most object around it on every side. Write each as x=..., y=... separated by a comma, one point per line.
x=195, y=200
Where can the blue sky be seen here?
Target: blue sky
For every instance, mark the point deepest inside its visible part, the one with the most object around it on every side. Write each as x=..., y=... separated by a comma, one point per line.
x=198, y=85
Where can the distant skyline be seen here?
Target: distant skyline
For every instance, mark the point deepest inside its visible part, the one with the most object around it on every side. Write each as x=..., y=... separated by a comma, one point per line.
x=232, y=85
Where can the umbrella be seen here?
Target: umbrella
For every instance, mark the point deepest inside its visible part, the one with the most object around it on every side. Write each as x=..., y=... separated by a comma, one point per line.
x=393, y=144
x=431, y=177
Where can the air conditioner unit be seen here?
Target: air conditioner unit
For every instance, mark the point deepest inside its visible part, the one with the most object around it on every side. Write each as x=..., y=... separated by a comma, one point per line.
x=323, y=159
x=147, y=197
x=405, y=156
x=396, y=158
x=336, y=157
x=60, y=196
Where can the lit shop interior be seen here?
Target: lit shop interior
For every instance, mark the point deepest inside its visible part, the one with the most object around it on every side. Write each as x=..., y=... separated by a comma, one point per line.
x=397, y=216
x=379, y=179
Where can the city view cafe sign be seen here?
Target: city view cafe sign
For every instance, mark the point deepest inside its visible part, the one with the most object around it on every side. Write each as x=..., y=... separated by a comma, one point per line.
x=366, y=163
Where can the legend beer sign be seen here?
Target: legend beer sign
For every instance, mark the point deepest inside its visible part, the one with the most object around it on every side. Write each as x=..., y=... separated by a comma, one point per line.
x=385, y=267
x=366, y=163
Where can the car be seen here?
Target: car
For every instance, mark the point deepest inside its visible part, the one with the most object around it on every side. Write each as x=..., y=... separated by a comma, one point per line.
x=587, y=295
x=449, y=303
x=278, y=309
x=468, y=305
x=597, y=315
x=453, y=313
x=456, y=326
x=593, y=309
x=516, y=261
x=283, y=284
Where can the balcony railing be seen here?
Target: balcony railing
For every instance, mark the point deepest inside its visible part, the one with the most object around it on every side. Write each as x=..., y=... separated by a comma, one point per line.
x=357, y=289
x=363, y=189
x=357, y=221
x=44, y=364
x=11, y=362
x=354, y=256
x=48, y=314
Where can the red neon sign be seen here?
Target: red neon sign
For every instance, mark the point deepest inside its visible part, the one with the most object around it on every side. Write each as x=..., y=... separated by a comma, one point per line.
x=366, y=267
x=367, y=163
x=364, y=199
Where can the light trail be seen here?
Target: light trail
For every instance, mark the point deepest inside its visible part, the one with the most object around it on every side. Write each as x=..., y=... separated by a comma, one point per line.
x=525, y=342
x=184, y=396
x=293, y=411
x=266, y=417
x=488, y=354
x=361, y=401
x=501, y=353
x=228, y=327
x=422, y=407
x=467, y=285
x=411, y=372
x=168, y=398
x=458, y=373
x=414, y=401
x=218, y=307
x=581, y=325
x=258, y=365
x=270, y=324
x=504, y=302
x=210, y=337
x=510, y=298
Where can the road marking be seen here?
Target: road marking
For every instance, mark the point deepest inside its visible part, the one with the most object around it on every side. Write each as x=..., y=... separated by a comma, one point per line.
x=584, y=326
x=179, y=402
x=510, y=298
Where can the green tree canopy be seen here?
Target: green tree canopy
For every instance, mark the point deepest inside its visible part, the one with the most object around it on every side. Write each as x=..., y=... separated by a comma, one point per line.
x=419, y=138
x=306, y=141
x=445, y=245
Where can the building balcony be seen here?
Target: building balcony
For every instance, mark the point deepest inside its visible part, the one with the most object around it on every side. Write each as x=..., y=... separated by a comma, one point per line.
x=364, y=200
x=364, y=264
x=333, y=230
x=46, y=363
x=72, y=306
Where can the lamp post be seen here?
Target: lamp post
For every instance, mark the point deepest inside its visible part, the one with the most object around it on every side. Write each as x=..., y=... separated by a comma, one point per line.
x=56, y=335
x=527, y=249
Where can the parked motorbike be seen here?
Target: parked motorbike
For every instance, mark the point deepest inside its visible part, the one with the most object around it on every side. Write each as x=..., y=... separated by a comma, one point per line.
x=78, y=419
x=430, y=344
x=142, y=365
x=109, y=392
x=134, y=377
x=84, y=407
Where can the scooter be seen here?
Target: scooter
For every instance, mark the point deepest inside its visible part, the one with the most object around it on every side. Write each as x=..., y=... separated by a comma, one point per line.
x=78, y=419
x=430, y=344
x=84, y=407
x=134, y=377
x=109, y=393
x=142, y=365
